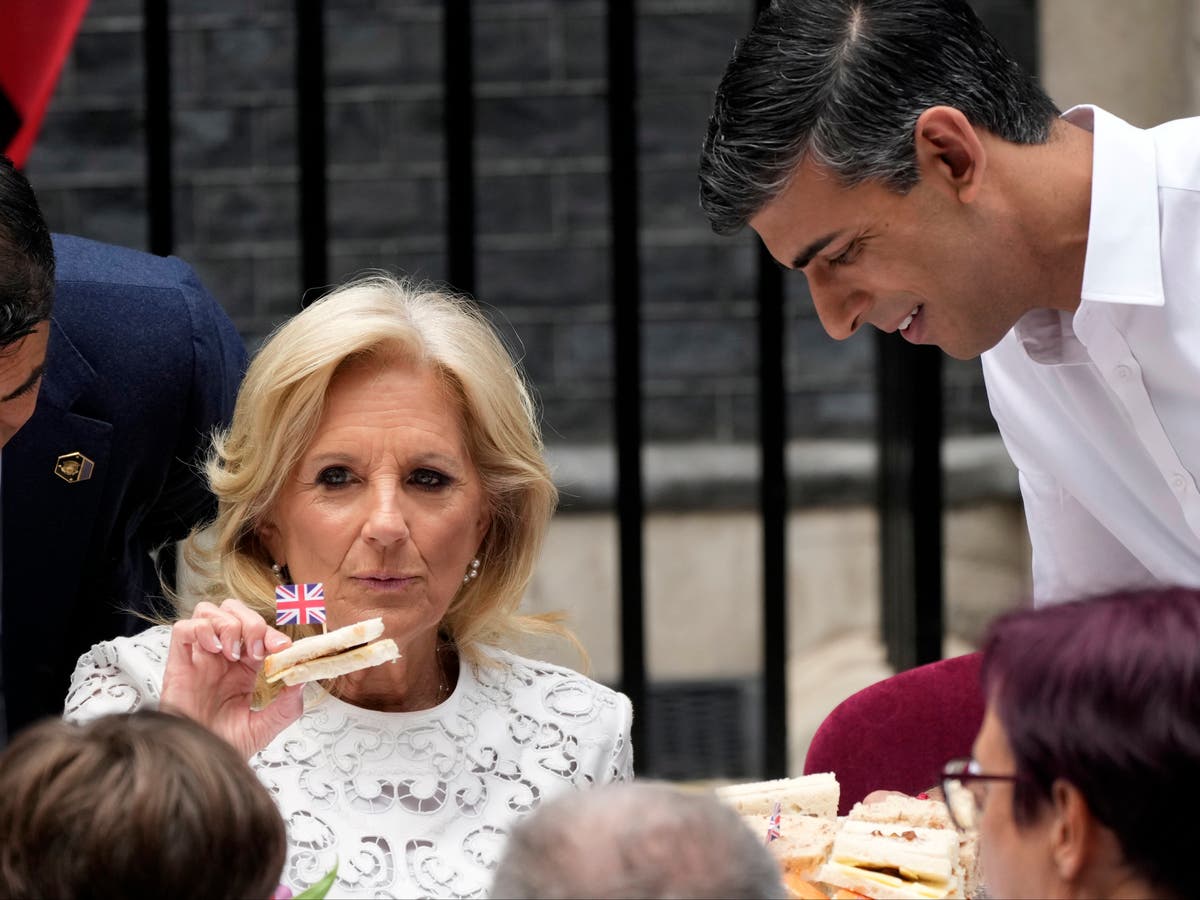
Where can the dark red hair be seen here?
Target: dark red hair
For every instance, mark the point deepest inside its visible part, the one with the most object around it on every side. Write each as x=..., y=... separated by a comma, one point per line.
x=1105, y=693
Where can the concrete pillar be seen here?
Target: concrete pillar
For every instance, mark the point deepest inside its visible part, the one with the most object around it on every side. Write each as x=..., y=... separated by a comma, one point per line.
x=1139, y=59
x=1193, y=59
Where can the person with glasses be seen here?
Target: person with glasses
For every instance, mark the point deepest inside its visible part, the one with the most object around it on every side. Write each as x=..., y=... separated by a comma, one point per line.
x=1085, y=776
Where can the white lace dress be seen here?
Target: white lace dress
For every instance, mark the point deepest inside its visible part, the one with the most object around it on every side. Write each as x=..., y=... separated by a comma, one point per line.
x=408, y=804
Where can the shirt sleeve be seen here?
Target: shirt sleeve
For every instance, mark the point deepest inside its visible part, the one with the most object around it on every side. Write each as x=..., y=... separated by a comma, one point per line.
x=118, y=676
x=621, y=760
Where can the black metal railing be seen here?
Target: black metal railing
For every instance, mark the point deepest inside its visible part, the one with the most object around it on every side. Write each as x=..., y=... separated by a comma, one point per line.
x=908, y=379
x=627, y=346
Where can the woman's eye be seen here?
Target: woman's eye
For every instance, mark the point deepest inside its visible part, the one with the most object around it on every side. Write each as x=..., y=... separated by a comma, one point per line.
x=429, y=479
x=334, y=476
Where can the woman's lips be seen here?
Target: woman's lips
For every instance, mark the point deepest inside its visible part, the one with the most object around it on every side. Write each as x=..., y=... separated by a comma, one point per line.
x=385, y=582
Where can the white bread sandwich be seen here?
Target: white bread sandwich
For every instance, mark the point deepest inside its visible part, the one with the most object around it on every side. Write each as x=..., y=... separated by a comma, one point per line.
x=329, y=655
x=901, y=809
x=889, y=862
x=897, y=809
x=808, y=795
x=802, y=847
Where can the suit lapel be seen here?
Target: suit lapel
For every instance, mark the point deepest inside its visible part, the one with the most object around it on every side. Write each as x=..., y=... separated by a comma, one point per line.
x=47, y=520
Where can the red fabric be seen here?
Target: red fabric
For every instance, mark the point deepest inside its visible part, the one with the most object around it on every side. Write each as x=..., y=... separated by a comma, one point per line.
x=35, y=37
x=897, y=734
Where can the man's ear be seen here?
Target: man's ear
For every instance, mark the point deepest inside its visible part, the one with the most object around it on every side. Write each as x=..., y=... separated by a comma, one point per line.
x=1073, y=832
x=949, y=152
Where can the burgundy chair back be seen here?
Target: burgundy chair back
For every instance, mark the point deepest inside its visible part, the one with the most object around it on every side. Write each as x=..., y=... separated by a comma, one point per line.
x=898, y=733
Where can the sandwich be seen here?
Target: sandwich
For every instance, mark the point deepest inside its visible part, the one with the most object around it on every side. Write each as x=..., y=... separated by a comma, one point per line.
x=897, y=809
x=901, y=809
x=802, y=845
x=888, y=862
x=808, y=795
x=330, y=655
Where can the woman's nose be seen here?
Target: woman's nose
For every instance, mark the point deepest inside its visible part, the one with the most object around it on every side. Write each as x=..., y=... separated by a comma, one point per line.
x=386, y=522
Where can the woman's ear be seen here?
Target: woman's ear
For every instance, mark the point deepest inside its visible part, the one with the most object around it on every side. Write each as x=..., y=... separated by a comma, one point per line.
x=269, y=536
x=1073, y=833
x=482, y=524
x=949, y=152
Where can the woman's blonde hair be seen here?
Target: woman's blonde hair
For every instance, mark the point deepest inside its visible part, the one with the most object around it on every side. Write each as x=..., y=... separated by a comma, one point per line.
x=380, y=317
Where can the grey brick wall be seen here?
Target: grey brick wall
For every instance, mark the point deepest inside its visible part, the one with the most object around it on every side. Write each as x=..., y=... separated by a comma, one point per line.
x=541, y=183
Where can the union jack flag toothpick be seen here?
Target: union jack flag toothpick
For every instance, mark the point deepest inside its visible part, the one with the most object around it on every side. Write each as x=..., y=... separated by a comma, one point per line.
x=774, y=822
x=300, y=604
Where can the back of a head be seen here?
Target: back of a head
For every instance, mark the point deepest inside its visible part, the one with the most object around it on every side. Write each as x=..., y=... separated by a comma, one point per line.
x=844, y=81
x=635, y=840
x=141, y=805
x=26, y=257
x=1105, y=694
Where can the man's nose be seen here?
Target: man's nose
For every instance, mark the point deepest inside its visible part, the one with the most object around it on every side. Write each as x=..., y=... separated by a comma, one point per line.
x=841, y=312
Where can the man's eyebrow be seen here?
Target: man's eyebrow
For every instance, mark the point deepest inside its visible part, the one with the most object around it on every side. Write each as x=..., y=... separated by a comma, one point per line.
x=812, y=250
x=26, y=385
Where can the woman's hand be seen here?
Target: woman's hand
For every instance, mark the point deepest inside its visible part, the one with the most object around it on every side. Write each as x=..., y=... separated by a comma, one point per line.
x=212, y=665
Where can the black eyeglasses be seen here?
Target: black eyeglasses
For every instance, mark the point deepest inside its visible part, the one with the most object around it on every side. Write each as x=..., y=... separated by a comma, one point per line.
x=963, y=788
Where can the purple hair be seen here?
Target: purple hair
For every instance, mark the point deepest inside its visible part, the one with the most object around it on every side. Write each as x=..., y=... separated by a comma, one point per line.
x=1105, y=693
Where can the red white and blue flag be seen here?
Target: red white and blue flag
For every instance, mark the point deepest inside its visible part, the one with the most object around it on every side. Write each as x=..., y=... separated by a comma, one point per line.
x=300, y=604
x=774, y=822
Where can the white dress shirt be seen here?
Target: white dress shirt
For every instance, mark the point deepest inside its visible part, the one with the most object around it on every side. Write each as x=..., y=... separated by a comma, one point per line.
x=1100, y=410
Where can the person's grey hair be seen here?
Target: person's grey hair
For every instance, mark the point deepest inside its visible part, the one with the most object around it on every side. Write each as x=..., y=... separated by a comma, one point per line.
x=843, y=83
x=636, y=840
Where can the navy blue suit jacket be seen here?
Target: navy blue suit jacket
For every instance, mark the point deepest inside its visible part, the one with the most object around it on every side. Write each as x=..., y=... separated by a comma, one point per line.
x=142, y=365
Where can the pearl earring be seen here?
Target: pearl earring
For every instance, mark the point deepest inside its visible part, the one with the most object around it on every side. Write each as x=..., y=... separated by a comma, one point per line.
x=278, y=571
x=472, y=572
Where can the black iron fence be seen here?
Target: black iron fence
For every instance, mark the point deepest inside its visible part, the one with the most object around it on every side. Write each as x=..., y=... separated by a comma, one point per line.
x=908, y=390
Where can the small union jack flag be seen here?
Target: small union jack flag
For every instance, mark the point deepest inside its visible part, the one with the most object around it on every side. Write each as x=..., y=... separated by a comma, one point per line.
x=773, y=822
x=300, y=604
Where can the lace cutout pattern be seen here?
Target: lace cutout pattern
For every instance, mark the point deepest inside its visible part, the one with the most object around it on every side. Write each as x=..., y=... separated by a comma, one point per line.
x=407, y=804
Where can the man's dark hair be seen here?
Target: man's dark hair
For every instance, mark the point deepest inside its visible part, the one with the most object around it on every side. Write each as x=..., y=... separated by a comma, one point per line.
x=1105, y=695
x=139, y=805
x=844, y=82
x=26, y=258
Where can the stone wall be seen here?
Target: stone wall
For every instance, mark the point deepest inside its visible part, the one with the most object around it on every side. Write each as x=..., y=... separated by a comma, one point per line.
x=541, y=187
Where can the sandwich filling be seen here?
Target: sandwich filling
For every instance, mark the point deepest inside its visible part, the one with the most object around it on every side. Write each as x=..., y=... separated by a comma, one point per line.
x=908, y=858
x=329, y=655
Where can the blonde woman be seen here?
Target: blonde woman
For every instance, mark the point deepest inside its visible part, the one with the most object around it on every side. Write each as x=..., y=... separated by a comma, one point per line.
x=384, y=444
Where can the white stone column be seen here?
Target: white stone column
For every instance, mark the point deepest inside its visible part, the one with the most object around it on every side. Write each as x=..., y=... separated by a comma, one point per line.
x=1135, y=58
x=1192, y=53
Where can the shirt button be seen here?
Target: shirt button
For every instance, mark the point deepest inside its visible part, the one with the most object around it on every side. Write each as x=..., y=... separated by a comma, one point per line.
x=1179, y=482
x=1123, y=372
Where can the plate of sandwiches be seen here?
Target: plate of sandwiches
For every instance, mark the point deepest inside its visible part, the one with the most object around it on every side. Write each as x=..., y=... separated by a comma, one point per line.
x=894, y=847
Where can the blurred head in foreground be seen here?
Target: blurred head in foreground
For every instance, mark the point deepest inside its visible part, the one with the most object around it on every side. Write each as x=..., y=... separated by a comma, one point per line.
x=635, y=840
x=1093, y=719
x=139, y=805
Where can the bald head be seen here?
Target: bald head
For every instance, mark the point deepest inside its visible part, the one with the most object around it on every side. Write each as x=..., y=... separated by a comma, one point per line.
x=635, y=840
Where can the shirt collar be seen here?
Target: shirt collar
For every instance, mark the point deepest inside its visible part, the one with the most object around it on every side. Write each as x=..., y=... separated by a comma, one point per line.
x=1123, y=261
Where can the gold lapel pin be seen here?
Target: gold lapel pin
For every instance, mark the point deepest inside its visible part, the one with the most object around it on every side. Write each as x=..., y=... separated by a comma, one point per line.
x=73, y=467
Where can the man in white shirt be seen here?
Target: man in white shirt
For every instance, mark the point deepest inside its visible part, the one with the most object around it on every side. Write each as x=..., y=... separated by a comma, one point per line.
x=893, y=152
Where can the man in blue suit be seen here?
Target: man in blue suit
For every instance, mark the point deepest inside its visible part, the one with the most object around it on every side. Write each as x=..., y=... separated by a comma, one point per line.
x=115, y=367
